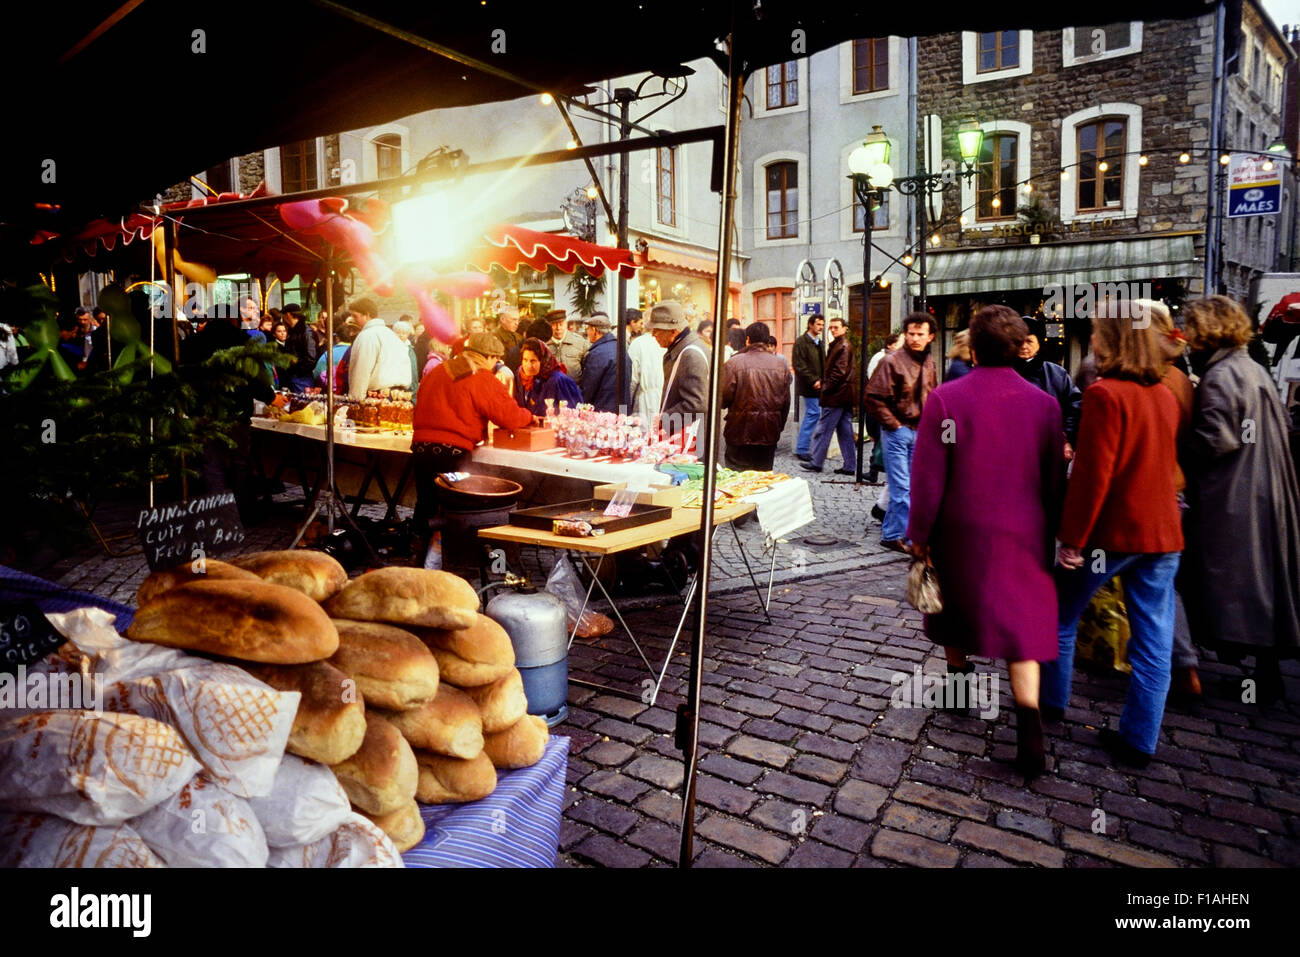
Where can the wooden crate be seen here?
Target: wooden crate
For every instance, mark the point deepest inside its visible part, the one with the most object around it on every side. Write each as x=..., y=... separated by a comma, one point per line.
x=524, y=440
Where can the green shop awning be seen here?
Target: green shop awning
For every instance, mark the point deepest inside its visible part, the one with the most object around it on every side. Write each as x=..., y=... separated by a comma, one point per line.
x=1005, y=268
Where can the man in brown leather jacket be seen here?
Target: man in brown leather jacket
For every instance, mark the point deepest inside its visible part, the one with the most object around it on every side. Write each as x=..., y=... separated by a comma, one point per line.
x=756, y=395
x=895, y=396
x=839, y=396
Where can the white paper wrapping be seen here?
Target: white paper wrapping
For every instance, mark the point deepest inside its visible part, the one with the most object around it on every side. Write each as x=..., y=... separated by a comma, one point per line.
x=203, y=825
x=358, y=843
x=42, y=840
x=306, y=804
x=90, y=768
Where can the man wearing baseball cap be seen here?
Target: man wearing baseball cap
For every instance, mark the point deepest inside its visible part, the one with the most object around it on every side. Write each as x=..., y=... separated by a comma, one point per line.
x=686, y=374
x=600, y=368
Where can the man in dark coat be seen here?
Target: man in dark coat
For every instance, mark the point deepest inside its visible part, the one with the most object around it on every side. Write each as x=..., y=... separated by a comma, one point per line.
x=1052, y=379
x=756, y=395
x=686, y=374
x=600, y=367
x=809, y=365
x=838, y=398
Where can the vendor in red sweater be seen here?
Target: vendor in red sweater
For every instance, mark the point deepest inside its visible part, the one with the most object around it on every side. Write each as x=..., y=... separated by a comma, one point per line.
x=457, y=400
x=1121, y=519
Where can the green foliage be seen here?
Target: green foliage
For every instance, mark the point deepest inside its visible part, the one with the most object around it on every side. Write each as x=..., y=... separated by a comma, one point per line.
x=584, y=289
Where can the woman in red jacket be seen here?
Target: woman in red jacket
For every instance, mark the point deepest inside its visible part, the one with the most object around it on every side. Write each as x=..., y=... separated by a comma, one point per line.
x=1121, y=518
x=456, y=401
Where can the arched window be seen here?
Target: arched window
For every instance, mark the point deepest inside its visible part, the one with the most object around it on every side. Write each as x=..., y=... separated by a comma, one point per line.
x=997, y=175
x=782, y=200
x=388, y=152
x=1101, y=164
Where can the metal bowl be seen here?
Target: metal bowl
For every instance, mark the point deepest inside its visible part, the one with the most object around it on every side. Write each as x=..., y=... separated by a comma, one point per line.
x=478, y=492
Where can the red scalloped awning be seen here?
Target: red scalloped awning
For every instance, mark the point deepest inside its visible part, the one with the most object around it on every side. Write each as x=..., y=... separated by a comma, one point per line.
x=514, y=246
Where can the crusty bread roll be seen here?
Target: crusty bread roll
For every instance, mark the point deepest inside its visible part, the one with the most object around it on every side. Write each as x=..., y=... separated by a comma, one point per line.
x=407, y=596
x=331, y=720
x=169, y=578
x=519, y=746
x=473, y=656
x=382, y=776
x=315, y=574
x=392, y=668
x=245, y=620
x=449, y=724
x=404, y=826
x=445, y=780
x=501, y=703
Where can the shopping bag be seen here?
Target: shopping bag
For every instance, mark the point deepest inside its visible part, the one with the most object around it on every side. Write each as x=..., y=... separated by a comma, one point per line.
x=1104, y=630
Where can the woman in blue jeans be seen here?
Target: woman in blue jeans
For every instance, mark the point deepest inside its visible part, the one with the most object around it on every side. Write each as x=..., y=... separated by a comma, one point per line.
x=1121, y=519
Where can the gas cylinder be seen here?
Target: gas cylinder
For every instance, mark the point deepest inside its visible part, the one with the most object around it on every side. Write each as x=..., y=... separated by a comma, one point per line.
x=537, y=624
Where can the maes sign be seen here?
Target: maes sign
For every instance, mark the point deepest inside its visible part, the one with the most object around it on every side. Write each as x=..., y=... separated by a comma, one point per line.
x=189, y=531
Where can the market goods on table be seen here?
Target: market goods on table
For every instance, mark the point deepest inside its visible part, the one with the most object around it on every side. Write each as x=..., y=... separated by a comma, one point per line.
x=357, y=843
x=331, y=719
x=501, y=703
x=381, y=776
x=404, y=827
x=730, y=486
x=524, y=440
x=315, y=574
x=169, y=578
x=44, y=840
x=445, y=780
x=518, y=746
x=250, y=621
x=390, y=410
x=230, y=836
x=407, y=596
x=590, y=512
x=474, y=655
x=306, y=804
x=392, y=668
x=448, y=724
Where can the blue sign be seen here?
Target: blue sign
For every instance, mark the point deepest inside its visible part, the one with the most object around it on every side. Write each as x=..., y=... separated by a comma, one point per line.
x=810, y=307
x=1257, y=199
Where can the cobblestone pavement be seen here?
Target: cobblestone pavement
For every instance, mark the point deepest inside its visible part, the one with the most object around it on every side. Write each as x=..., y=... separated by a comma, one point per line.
x=804, y=763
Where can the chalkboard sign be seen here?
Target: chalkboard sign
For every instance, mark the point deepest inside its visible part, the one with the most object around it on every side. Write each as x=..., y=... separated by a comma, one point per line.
x=188, y=531
x=26, y=635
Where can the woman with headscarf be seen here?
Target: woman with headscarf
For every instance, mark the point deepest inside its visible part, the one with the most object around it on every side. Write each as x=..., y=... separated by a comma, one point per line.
x=540, y=378
x=1121, y=519
x=1244, y=504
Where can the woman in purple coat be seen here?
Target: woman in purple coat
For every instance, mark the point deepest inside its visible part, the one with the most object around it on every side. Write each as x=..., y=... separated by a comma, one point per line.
x=988, y=475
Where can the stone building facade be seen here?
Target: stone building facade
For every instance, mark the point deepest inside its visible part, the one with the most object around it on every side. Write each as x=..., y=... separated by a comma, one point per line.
x=1096, y=166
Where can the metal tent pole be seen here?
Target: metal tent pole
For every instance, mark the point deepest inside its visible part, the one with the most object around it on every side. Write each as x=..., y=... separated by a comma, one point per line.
x=688, y=715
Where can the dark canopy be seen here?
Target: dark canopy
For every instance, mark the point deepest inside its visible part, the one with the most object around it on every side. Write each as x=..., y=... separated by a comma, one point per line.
x=115, y=94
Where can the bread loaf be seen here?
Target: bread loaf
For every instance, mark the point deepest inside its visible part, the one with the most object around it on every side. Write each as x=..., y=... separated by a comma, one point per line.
x=473, y=656
x=445, y=780
x=167, y=579
x=404, y=826
x=331, y=720
x=501, y=703
x=519, y=746
x=407, y=596
x=315, y=574
x=448, y=724
x=392, y=668
x=382, y=776
x=246, y=620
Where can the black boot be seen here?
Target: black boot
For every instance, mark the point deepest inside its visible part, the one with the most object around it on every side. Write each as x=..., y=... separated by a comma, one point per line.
x=959, y=693
x=1030, y=759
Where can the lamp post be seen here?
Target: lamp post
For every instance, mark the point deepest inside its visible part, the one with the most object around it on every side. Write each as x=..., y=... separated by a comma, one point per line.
x=870, y=172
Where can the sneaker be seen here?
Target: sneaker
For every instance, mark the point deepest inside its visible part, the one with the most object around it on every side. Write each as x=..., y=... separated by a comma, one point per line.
x=809, y=468
x=893, y=544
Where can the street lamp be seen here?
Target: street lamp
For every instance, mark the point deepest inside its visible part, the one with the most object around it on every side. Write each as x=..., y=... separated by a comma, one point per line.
x=868, y=181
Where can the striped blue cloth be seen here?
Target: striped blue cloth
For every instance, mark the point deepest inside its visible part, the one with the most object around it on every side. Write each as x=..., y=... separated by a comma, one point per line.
x=52, y=598
x=517, y=825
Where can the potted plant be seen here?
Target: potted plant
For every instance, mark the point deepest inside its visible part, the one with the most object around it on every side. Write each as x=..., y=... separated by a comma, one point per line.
x=1037, y=218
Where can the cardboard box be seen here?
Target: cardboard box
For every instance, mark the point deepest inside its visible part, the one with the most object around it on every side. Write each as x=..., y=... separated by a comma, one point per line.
x=670, y=497
x=524, y=440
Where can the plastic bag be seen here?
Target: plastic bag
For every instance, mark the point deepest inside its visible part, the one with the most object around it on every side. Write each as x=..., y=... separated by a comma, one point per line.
x=306, y=804
x=203, y=825
x=358, y=843
x=564, y=584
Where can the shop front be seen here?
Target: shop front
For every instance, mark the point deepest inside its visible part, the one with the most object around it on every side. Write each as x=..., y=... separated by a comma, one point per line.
x=684, y=274
x=1063, y=283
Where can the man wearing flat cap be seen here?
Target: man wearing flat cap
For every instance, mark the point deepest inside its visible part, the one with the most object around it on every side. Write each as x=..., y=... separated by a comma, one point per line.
x=686, y=373
x=568, y=347
x=600, y=368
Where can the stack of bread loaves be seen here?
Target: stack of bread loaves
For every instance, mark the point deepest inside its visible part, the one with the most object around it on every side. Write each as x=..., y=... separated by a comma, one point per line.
x=406, y=691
